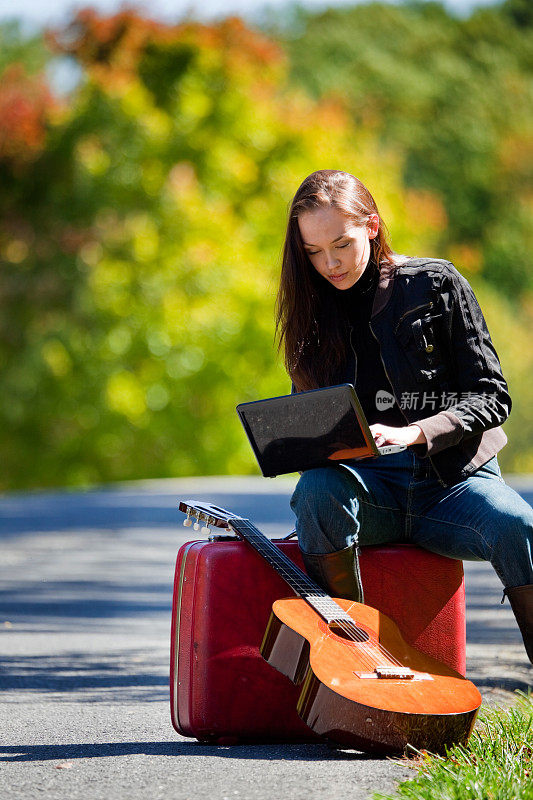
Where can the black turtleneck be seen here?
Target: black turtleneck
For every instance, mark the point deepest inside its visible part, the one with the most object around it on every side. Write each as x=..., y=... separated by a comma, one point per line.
x=364, y=358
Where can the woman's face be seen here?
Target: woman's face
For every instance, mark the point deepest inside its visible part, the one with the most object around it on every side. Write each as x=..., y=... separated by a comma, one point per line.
x=337, y=248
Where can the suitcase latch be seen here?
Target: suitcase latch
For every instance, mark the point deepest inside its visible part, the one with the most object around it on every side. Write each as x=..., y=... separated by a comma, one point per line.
x=227, y=536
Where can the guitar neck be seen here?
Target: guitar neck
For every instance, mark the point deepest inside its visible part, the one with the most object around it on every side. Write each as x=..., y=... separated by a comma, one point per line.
x=299, y=582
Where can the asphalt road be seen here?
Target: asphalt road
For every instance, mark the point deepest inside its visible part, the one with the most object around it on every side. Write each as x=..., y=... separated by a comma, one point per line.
x=85, y=598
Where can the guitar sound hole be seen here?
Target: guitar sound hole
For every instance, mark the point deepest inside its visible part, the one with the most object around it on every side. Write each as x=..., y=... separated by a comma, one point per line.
x=348, y=631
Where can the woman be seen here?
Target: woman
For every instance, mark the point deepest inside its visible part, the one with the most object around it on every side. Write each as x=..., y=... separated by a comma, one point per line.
x=410, y=335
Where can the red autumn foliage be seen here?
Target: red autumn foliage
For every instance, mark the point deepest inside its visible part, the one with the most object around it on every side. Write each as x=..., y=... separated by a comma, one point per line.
x=118, y=41
x=25, y=103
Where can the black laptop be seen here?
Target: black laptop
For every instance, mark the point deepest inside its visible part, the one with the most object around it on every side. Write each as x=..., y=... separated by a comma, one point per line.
x=311, y=429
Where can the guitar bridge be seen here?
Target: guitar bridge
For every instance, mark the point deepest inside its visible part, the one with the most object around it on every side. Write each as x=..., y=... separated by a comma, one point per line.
x=394, y=672
x=391, y=673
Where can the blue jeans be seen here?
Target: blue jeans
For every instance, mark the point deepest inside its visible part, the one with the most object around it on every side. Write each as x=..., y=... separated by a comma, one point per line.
x=398, y=498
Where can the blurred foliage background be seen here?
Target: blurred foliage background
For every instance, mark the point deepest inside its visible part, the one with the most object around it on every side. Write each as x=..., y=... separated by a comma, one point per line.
x=142, y=213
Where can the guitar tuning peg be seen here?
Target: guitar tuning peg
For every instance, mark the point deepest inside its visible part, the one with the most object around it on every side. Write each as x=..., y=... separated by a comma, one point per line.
x=188, y=521
x=196, y=526
x=206, y=529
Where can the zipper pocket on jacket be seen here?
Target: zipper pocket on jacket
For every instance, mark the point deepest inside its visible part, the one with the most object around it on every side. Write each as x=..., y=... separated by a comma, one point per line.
x=442, y=483
x=412, y=311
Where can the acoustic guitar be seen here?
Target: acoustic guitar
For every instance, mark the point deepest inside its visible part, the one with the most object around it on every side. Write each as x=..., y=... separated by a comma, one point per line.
x=362, y=685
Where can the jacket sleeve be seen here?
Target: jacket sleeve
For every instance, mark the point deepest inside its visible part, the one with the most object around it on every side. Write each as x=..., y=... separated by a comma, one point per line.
x=483, y=399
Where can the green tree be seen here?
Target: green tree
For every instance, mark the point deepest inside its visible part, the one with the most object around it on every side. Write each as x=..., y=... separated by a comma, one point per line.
x=142, y=227
x=455, y=96
x=141, y=222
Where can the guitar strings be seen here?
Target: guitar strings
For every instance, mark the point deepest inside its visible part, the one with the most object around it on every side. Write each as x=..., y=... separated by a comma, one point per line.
x=294, y=576
x=369, y=646
x=289, y=570
x=371, y=651
x=285, y=565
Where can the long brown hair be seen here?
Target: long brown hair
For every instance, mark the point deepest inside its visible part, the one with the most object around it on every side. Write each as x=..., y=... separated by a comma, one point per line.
x=309, y=320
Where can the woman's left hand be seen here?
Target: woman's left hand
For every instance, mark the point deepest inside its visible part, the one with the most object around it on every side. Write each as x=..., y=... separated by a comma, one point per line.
x=410, y=434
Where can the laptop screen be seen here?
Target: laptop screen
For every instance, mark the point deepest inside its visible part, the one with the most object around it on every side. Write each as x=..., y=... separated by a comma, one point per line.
x=306, y=430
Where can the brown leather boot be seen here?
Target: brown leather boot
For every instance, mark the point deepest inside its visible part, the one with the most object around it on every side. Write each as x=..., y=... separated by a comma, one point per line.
x=521, y=599
x=337, y=573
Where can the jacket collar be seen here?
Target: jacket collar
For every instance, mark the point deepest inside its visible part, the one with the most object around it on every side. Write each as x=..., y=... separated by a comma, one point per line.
x=384, y=287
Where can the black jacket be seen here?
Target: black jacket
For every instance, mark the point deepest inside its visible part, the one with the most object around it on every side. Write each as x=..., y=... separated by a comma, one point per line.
x=434, y=340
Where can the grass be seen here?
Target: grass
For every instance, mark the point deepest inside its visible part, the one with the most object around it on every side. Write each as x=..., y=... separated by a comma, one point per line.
x=497, y=763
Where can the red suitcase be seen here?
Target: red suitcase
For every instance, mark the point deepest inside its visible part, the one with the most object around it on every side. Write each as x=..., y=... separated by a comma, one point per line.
x=221, y=690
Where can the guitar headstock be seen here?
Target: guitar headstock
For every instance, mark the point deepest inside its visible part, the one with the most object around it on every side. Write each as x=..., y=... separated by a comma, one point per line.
x=207, y=513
